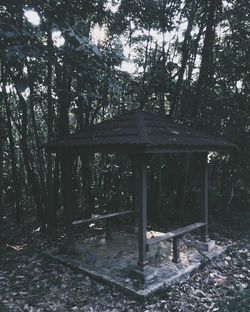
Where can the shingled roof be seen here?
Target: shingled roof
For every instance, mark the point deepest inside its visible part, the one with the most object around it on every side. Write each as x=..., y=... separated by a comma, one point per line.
x=139, y=131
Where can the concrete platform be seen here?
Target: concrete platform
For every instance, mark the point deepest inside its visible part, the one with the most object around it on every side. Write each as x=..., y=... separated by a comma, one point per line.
x=113, y=261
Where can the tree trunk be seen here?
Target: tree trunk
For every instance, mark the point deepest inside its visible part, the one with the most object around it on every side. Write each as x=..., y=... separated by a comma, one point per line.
x=201, y=94
x=27, y=157
x=87, y=184
x=31, y=173
x=40, y=159
x=50, y=206
x=194, y=50
x=206, y=62
x=1, y=162
x=15, y=175
x=174, y=109
x=143, y=91
x=64, y=84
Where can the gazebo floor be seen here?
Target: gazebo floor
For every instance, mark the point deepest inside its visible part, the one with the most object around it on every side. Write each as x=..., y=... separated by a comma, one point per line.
x=113, y=261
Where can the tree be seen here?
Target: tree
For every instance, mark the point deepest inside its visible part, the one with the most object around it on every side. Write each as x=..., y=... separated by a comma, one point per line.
x=192, y=65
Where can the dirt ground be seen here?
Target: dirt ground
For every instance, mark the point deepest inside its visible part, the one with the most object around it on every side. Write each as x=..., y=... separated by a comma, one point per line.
x=31, y=282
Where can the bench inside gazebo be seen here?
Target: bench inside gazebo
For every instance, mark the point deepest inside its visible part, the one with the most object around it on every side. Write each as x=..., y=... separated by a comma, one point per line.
x=140, y=134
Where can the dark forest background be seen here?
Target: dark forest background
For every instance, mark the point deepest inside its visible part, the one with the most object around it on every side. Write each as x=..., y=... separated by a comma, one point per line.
x=200, y=78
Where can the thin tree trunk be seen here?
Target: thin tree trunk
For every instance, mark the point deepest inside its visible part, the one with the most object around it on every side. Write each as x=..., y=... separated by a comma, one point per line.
x=1, y=163
x=184, y=58
x=206, y=62
x=31, y=174
x=27, y=157
x=15, y=176
x=50, y=207
x=64, y=84
x=194, y=51
x=143, y=96
x=80, y=105
x=201, y=94
x=87, y=184
x=41, y=165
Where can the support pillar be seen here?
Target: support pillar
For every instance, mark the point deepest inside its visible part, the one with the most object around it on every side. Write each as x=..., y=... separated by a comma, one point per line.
x=205, y=244
x=176, y=250
x=133, y=228
x=204, y=206
x=66, y=170
x=142, y=203
x=50, y=207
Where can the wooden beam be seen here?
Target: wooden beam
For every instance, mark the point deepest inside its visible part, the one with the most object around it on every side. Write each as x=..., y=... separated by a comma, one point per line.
x=110, y=215
x=135, y=149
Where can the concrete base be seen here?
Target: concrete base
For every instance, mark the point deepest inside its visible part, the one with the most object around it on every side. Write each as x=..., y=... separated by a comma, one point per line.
x=144, y=276
x=115, y=262
x=205, y=246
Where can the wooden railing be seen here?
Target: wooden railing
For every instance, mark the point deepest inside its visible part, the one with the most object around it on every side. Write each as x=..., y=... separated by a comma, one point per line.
x=106, y=216
x=175, y=235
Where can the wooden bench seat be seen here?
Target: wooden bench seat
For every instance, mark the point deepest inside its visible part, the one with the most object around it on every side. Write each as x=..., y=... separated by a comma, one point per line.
x=175, y=235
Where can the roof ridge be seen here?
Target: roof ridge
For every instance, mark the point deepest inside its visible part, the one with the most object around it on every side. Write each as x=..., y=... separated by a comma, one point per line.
x=140, y=124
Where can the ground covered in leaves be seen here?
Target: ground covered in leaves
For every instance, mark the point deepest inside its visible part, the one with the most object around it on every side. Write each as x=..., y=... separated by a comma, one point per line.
x=31, y=282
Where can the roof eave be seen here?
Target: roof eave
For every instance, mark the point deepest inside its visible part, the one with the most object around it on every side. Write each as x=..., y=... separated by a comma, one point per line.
x=135, y=149
x=188, y=149
x=108, y=148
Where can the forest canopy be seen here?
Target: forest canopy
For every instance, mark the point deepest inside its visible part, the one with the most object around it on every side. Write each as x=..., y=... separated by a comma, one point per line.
x=69, y=64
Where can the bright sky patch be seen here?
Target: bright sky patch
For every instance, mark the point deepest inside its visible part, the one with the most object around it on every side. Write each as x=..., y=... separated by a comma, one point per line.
x=32, y=17
x=57, y=38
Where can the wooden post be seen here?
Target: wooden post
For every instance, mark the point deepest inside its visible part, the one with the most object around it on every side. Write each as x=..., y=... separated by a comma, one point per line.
x=134, y=191
x=66, y=168
x=142, y=202
x=51, y=208
x=204, y=206
x=176, y=249
x=108, y=229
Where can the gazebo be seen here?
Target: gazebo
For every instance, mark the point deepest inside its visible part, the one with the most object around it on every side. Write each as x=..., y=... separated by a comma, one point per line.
x=140, y=134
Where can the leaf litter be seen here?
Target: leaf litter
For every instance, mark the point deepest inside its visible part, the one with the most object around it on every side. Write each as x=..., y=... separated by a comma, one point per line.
x=31, y=282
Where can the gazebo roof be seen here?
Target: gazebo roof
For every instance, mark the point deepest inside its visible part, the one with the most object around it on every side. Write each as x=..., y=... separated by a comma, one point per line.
x=139, y=132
